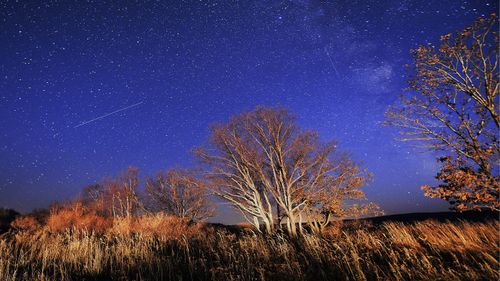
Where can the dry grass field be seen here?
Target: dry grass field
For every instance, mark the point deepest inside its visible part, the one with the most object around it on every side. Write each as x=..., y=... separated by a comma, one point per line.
x=160, y=247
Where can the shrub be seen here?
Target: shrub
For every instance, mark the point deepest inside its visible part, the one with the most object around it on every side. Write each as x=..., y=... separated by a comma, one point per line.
x=78, y=218
x=26, y=223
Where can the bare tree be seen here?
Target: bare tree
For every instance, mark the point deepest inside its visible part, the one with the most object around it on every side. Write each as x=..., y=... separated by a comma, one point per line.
x=453, y=108
x=94, y=197
x=114, y=197
x=180, y=193
x=125, y=200
x=235, y=161
x=261, y=158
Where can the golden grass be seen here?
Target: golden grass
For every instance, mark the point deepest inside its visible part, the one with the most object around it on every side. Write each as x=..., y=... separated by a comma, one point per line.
x=165, y=248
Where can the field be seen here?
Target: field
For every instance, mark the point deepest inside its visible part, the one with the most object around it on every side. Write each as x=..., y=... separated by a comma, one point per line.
x=165, y=248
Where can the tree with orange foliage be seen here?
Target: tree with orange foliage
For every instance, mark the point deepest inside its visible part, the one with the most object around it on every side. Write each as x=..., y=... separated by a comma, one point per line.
x=261, y=161
x=180, y=193
x=453, y=108
x=328, y=199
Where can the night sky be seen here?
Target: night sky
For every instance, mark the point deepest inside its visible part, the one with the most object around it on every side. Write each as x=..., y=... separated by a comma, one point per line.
x=88, y=88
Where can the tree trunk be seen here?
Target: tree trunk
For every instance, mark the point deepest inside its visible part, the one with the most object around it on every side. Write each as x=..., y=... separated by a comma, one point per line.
x=288, y=227
x=278, y=216
x=292, y=227
x=256, y=223
x=268, y=226
x=301, y=230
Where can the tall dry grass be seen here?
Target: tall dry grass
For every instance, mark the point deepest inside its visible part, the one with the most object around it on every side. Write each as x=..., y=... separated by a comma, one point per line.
x=165, y=248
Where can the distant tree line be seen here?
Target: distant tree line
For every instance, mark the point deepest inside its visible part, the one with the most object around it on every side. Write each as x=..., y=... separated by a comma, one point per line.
x=277, y=175
x=175, y=192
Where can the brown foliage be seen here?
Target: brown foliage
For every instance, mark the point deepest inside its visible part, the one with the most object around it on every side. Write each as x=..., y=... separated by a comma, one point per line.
x=78, y=217
x=454, y=108
x=26, y=223
x=465, y=188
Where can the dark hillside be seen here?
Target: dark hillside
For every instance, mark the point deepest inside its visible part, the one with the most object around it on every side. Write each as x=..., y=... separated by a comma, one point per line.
x=470, y=216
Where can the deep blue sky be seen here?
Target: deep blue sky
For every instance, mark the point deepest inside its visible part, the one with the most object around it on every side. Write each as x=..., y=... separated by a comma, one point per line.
x=183, y=65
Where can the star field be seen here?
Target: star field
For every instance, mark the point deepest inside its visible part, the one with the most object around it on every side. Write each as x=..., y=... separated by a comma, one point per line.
x=186, y=64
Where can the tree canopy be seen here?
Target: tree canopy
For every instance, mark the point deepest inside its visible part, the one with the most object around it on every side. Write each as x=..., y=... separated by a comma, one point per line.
x=452, y=108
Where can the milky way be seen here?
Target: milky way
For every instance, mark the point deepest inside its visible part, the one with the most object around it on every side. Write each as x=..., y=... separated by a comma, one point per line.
x=337, y=65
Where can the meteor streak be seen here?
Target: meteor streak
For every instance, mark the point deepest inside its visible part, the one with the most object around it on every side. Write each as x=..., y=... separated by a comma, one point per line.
x=108, y=114
x=331, y=61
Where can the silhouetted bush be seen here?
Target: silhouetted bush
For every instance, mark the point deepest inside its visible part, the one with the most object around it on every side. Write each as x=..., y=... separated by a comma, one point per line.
x=6, y=217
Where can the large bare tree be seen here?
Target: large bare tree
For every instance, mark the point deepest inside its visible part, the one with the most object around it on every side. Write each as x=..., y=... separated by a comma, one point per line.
x=453, y=108
x=261, y=162
x=235, y=161
x=180, y=193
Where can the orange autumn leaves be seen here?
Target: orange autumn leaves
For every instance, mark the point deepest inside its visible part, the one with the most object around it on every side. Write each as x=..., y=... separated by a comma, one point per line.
x=452, y=108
